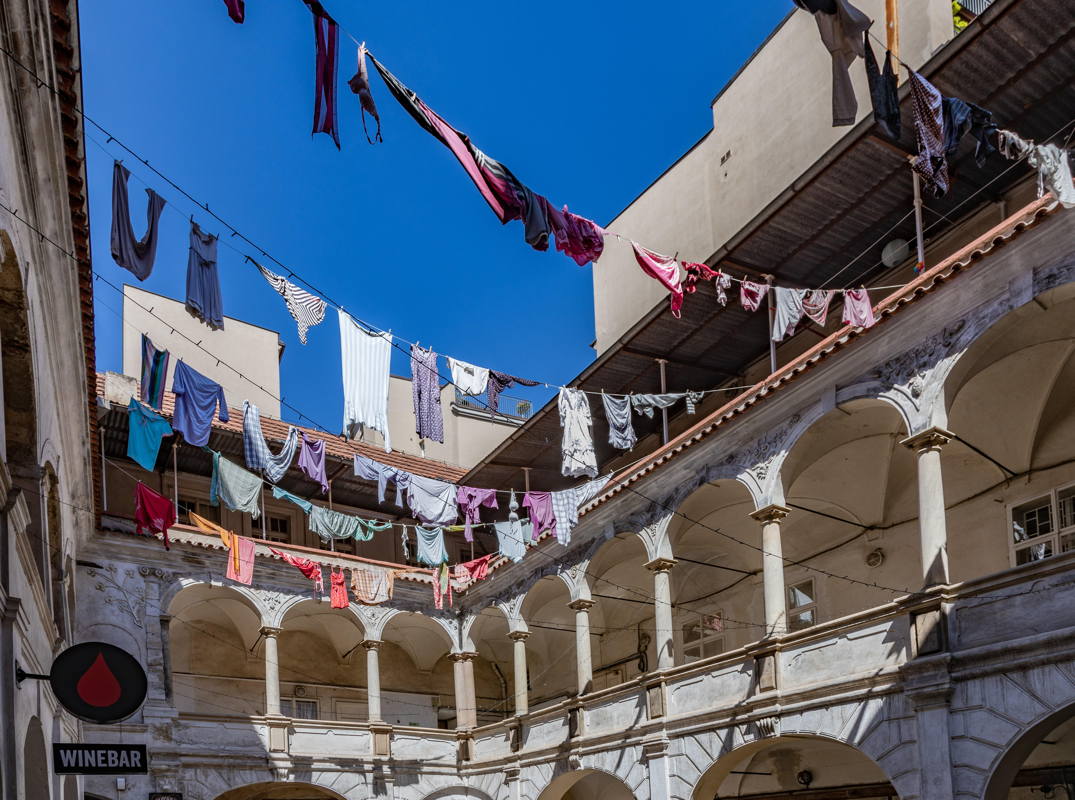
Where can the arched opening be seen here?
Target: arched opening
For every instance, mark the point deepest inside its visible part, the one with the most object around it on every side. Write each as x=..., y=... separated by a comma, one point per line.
x=18, y=444
x=586, y=784
x=622, y=619
x=35, y=763
x=216, y=667
x=280, y=791
x=1040, y=764
x=550, y=651
x=716, y=601
x=417, y=676
x=322, y=664
x=851, y=488
x=489, y=633
x=794, y=766
x=1010, y=482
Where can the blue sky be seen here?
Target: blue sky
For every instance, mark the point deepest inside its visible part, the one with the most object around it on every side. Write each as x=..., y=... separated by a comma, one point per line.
x=587, y=103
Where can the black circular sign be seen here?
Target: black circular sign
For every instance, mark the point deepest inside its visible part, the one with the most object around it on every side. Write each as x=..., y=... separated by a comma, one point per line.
x=98, y=682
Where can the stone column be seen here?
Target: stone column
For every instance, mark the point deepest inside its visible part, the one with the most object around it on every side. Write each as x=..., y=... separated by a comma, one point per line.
x=518, y=639
x=932, y=530
x=465, y=704
x=373, y=680
x=272, y=672
x=662, y=610
x=582, y=644
x=772, y=567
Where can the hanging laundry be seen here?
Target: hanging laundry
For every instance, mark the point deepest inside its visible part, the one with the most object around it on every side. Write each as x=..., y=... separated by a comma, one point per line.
x=196, y=400
x=236, y=10
x=282, y=494
x=406, y=544
x=431, y=549
x=442, y=587
x=565, y=505
x=240, y=490
x=468, y=378
x=664, y=270
x=370, y=470
x=366, y=358
x=338, y=589
x=256, y=449
x=240, y=549
x=330, y=524
x=312, y=461
x=474, y=570
x=470, y=501
x=510, y=536
x=536, y=227
x=1051, y=162
x=498, y=382
x=153, y=513
x=326, y=44
x=306, y=309
x=580, y=239
x=816, y=305
x=841, y=30
x=311, y=569
x=135, y=255
x=751, y=294
x=621, y=432
x=883, y=91
x=154, y=374
x=542, y=516
x=646, y=403
x=695, y=273
x=360, y=85
x=857, y=309
x=372, y=587
x=577, y=442
x=432, y=501
x=145, y=429
x=789, y=310
x=721, y=284
x=927, y=110
x=425, y=391
x=693, y=399
x=203, y=281
x=961, y=118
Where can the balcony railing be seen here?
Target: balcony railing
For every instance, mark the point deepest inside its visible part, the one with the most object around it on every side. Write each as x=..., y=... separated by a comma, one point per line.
x=514, y=407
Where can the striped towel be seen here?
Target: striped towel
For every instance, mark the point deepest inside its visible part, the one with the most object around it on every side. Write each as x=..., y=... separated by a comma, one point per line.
x=372, y=587
x=306, y=309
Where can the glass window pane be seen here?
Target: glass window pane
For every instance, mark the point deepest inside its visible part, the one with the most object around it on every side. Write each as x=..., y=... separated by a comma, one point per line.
x=1036, y=552
x=1032, y=519
x=1066, y=507
x=801, y=594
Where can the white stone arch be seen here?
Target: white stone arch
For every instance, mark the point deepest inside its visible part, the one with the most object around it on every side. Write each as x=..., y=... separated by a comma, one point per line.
x=457, y=793
x=552, y=779
x=252, y=597
x=281, y=604
x=574, y=577
x=655, y=539
x=374, y=619
x=512, y=608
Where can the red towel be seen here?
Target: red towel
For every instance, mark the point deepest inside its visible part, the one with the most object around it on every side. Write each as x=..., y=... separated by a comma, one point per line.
x=153, y=513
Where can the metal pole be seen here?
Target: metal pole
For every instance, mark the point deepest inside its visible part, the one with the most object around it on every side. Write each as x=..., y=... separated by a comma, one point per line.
x=772, y=321
x=331, y=542
x=175, y=477
x=526, y=479
x=104, y=470
x=892, y=34
x=919, y=232
x=664, y=411
x=263, y=536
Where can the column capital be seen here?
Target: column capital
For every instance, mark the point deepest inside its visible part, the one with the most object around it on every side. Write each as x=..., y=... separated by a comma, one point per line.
x=771, y=513
x=581, y=604
x=661, y=564
x=271, y=633
x=930, y=439
x=518, y=636
x=463, y=657
x=372, y=644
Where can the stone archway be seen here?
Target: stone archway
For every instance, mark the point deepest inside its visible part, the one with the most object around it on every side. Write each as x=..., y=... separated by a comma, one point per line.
x=1042, y=756
x=586, y=784
x=35, y=763
x=274, y=790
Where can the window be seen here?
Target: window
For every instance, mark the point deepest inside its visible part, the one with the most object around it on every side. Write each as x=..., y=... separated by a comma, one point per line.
x=199, y=507
x=802, y=605
x=703, y=637
x=1043, y=526
x=278, y=529
x=298, y=708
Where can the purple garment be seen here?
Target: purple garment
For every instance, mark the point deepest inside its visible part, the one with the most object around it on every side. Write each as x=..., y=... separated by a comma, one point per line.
x=577, y=237
x=425, y=388
x=470, y=501
x=327, y=41
x=236, y=9
x=498, y=382
x=360, y=85
x=196, y=399
x=542, y=516
x=312, y=461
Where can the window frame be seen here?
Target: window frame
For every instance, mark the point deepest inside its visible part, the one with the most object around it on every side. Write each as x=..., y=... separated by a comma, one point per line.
x=811, y=607
x=291, y=700
x=710, y=643
x=1054, y=539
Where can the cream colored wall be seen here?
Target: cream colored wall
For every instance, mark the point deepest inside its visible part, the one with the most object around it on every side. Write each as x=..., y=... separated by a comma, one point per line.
x=255, y=350
x=775, y=119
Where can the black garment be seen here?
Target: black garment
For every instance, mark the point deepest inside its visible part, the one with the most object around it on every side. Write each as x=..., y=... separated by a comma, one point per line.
x=536, y=220
x=883, y=92
x=136, y=255
x=814, y=6
x=961, y=118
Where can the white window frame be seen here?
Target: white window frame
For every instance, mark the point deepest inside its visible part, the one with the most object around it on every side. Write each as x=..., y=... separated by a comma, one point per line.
x=287, y=706
x=811, y=607
x=709, y=643
x=1055, y=539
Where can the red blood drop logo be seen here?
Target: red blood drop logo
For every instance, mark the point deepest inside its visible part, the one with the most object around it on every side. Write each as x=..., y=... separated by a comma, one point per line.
x=99, y=687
